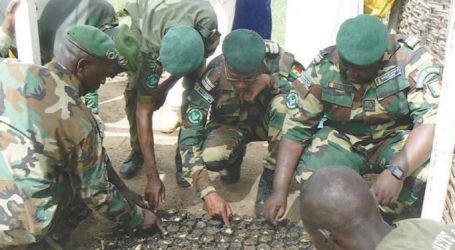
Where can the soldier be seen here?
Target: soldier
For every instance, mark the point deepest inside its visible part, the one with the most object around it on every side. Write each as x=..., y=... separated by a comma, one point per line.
x=176, y=36
x=53, y=162
x=55, y=17
x=244, y=90
x=379, y=95
x=335, y=220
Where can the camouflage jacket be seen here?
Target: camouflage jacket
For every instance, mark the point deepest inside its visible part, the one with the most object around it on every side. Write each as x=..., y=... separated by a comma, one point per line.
x=5, y=42
x=403, y=95
x=150, y=19
x=215, y=94
x=55, y=17
x=51, y=151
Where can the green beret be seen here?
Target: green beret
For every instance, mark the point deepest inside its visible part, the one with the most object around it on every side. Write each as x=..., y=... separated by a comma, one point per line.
x=127, y=46
x=244, y=50
x=362, y=40
x=92, y=41
x=182, y=50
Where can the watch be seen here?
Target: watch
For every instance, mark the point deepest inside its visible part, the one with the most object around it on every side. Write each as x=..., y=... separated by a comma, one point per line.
x=397, y=172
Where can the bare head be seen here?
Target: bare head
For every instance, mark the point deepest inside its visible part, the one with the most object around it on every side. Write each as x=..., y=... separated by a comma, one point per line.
x=339, y=211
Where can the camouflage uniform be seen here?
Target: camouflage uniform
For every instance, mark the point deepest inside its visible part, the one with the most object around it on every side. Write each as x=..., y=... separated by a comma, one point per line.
x=366, y=125
x=222, y=140
x=52, y=159
x=150, y=20
x=55, y=17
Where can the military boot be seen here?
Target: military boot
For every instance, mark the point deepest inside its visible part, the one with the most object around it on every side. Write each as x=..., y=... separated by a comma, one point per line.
x=231, y=173
x=264, y=189
x=181, y=181
x=132, y=164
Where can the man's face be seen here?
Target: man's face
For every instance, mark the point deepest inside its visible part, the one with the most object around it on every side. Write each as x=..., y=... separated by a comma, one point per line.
x=94, y=72
x=239, y=81
x=359, y=75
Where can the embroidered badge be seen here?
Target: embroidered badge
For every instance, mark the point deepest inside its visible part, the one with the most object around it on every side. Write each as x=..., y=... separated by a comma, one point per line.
x=435, y=88
x=111, y=55
x=195, y=116
x=369, y=105
x=387, y=76
x=340, y=86
x=426, y=75
x=152, y=81
x=271, y=47
x=203, y=93
x=305, y=80
x=292, y=100
x=295, y=72
x=208, y=85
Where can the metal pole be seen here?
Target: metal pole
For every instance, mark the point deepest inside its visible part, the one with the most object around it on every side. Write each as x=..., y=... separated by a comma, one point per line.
x=444, y=141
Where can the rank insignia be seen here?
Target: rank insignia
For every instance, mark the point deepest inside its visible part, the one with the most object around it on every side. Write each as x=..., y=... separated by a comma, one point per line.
x=292, y=100
x=152, y=81
x=369, y=105
x=195, y=116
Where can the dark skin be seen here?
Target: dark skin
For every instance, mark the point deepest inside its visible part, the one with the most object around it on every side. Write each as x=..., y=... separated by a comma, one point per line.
x=386, y=188
x=249, y=86
x=92, y=72
x=341, y=214
x=154, y=192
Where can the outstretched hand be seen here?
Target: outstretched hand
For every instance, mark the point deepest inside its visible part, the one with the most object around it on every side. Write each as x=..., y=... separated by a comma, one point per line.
x=218, y=208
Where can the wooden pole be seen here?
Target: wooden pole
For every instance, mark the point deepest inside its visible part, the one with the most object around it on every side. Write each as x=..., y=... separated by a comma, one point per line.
x=444, y=141
x=26, y=27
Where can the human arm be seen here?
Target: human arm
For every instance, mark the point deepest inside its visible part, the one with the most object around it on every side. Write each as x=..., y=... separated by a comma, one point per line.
x=422, y=98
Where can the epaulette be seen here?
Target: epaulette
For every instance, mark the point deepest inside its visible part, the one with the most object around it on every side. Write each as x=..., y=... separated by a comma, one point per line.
x=271, y=47
x=285, y=63
x=411, y=41
x=323, y=54
x=210, y=77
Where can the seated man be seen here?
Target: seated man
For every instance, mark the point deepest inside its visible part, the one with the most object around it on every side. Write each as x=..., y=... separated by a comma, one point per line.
x=379, y=95
x=339, y=212
x=52, y=160
x=241, y=88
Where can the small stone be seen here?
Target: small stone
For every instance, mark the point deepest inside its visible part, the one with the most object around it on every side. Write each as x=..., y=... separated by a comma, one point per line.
x=263, y=247
x=200, y=224
x=228, y=231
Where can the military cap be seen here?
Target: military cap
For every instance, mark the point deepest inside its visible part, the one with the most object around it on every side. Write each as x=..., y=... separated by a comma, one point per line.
x=244, y=50
x=182, y=50
x=92, y=41
x=362, y=40
x=127, y=47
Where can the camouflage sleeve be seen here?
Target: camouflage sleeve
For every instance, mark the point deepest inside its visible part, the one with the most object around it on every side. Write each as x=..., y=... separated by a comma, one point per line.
x=192, y=137
x=424, y=76
x=91, y=169
x=304, y=107
x=6, y=39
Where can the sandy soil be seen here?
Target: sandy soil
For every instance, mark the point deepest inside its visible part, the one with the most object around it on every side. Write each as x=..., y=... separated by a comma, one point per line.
x=241, y=195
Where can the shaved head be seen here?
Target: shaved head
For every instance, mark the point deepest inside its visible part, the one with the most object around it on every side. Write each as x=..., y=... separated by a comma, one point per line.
x=337, y=200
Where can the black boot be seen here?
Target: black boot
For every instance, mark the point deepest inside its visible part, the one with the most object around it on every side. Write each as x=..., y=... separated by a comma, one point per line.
x=231, y=173
x=132, y=164
x=181, y=181
x=264, y=190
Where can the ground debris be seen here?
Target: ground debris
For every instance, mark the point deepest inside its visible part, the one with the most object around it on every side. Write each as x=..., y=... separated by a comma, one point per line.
x=187, y=231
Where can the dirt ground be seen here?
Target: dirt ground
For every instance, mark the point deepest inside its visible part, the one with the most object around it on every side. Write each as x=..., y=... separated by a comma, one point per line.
x=241, y=195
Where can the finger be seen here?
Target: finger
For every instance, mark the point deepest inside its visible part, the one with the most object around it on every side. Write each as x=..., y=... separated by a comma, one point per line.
x=226, y=221
x=280, y=214
x=160, y=227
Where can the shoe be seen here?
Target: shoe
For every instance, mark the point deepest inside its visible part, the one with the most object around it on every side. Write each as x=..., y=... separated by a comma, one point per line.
x=265, y=188
x=231, y=174
x=181, y=181
x=132, y=164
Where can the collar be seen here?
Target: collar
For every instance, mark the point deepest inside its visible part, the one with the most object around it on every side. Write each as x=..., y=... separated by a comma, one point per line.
x=66, y=75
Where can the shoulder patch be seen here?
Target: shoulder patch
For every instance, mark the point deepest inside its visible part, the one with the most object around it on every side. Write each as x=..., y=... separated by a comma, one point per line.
x=292, y=100
x=195, y=116
x=207, y=84
x=271, y=47
x=152, y=81
x=387, y=76
x=305, y=80
x=427, y=74
x=203, y=93
x=323, y=54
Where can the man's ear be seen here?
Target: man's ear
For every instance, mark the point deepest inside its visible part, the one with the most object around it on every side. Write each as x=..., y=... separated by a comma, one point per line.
x=327, y=235
x=81, y=67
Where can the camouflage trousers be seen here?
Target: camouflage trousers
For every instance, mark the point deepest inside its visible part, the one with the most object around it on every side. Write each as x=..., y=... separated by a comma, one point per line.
x=331, y=147
x=224, y=145
x=131, y=98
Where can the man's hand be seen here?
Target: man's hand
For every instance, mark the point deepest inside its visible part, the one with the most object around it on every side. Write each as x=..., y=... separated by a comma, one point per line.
x=386, y=188
x=8, y=22
x=217, y=207
x=262, y=82
x=154, y=193
x=275, y=207
x=150, y=220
